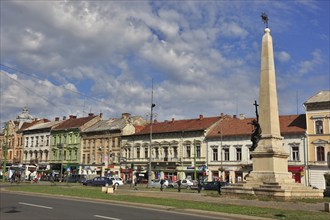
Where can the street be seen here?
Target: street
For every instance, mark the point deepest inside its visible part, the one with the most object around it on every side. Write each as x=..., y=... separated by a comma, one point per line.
x=19, y=206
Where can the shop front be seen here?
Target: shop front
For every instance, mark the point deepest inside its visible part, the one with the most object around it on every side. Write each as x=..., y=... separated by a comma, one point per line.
x=297, y=172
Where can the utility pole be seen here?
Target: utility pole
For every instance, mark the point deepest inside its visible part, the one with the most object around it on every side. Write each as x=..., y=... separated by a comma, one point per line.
x=5, y=155
x=151, y=114
x=195, y=175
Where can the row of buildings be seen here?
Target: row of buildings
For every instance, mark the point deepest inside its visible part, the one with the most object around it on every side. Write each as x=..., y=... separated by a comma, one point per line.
x=203, y=147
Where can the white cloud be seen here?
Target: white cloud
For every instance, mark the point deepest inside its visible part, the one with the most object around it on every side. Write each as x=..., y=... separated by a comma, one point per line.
x=204, y=57
x=283, y=56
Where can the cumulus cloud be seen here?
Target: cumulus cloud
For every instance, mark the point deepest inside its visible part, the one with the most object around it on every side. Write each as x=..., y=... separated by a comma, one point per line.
x=283, y=56
x=204, y=57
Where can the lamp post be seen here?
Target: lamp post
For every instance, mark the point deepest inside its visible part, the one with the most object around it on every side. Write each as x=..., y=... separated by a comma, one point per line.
x=5, y=155
x=151, y=114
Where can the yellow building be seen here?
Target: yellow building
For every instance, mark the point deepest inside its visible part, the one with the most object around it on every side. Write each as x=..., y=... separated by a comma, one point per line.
x=318, y=137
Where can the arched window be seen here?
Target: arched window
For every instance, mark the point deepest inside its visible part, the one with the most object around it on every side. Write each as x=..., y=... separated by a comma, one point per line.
x=320, y=153
x=319, y=127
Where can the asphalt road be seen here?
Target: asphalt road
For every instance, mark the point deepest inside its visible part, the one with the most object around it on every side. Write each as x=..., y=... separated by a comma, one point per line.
x=15, y=206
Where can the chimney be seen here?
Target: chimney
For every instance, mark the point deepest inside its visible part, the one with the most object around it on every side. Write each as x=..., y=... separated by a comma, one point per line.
x=155, y=121
x=221, y=114
x=201, y=117
x=172, y=119
x=64, y=118
x=241, y=116
x=125, y=115
x=74, y=116
x=90, y=114
x=234, y=116
x=101, y=115
x=57, y=118
x=70, y=116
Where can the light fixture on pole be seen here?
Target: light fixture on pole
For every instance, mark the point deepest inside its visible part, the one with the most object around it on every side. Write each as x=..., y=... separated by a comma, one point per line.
x=151, y=114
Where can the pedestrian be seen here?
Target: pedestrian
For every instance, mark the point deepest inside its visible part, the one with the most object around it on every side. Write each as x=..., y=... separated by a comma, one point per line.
x=199, y=186
x=161, y=184
x=219, y=186
x=135, y=184
x=179, y=185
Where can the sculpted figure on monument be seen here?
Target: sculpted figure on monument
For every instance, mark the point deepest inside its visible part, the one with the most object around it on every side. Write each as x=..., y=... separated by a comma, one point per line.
x=256, y=134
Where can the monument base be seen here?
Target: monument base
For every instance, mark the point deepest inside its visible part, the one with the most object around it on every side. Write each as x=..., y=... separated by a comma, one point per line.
x=272, y=184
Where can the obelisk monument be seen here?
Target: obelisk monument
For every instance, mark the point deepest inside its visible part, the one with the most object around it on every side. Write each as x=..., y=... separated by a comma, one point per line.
x=269, y=175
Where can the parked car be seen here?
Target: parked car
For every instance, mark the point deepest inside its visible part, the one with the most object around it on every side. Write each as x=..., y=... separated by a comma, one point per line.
x=75, y=178
x=186, y=183
x=156, y=183
x=98, y=181
x=172, y=184
x=117, y=181
x=213, y=185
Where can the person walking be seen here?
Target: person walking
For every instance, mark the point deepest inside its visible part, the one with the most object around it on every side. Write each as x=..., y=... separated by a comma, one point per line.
x=161, y=184
x=199, y=186
x=219, y=186
x=179, y=185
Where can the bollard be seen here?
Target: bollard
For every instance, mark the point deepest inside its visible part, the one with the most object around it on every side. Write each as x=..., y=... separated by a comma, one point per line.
x=110, y=190
x=104, y=189
x=327, y=207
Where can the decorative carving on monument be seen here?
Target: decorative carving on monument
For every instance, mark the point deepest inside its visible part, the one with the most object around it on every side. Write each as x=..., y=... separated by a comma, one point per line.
x=256, y=133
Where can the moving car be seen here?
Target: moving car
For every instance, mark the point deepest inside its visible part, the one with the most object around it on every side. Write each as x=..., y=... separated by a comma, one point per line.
x=98, y=181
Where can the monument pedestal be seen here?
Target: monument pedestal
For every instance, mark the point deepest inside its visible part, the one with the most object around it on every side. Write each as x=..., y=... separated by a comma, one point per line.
x=269, y=179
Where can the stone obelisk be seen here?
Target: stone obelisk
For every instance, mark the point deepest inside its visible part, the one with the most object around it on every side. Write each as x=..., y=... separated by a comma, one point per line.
x=270, y=161
x=270, y=176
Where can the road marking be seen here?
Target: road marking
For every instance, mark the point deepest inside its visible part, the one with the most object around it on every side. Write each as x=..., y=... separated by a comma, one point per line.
x=39, y=206
x=106, y=217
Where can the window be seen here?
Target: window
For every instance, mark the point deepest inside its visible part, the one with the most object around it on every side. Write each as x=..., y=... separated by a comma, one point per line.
x=215, y=154
x=198, y=151
x=166, y=152
x=319, y=127
x=64, y=155
x=238, y=154
x=320, y=153
x=226, y=154
x=295, y=153
x=156, y=152
x=138, y=152
x=146, y=151
x=188, y=151
x=175, y=152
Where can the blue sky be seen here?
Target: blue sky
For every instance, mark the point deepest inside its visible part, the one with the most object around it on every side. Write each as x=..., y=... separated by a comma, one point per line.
x=75, y=57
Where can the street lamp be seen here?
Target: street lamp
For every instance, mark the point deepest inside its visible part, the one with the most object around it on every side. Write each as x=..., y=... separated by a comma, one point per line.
x=5, y=155
x=151, y=114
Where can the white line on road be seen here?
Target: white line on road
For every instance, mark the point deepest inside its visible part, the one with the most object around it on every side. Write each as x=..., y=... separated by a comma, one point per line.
x=100, y=216
x=40, y=206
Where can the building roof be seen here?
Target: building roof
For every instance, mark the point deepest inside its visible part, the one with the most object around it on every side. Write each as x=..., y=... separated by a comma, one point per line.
x=43, y=125
x=322, y=96
x=107, y=125
x=73, y=123
x=27, y=125
x=289, y=124
x=198, y=124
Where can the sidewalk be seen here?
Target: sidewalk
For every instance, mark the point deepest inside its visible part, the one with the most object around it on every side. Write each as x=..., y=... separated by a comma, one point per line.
x=203, y=197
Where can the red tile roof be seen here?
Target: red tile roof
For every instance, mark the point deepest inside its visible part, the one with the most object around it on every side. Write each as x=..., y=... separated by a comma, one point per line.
x=289, y=124
x=26, y=125
x=180, y=125
x=73, y=123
